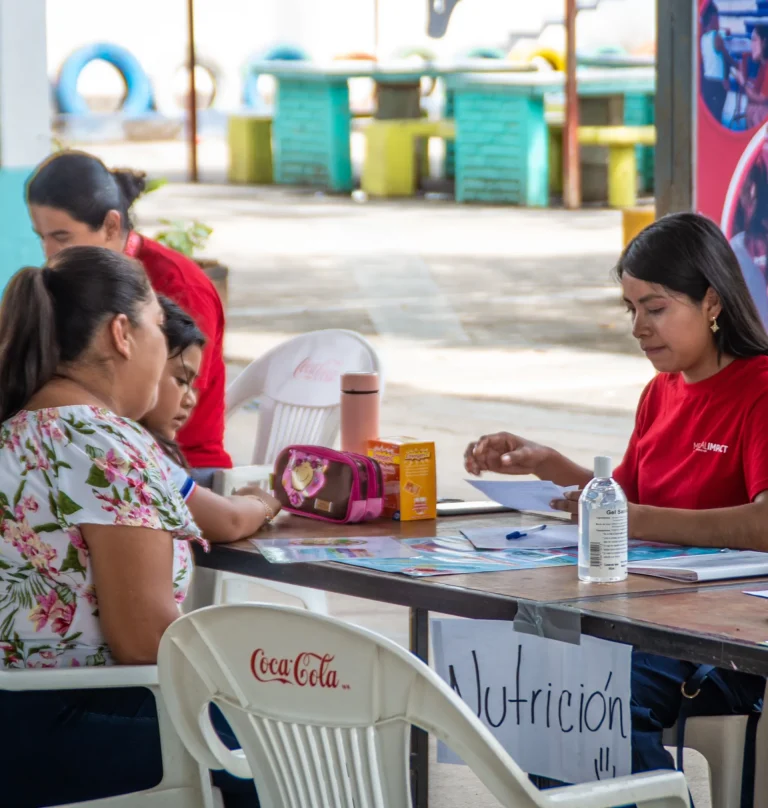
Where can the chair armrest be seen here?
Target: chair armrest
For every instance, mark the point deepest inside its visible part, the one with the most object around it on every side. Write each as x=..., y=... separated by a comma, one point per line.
x=79, y=678
x=660, y=786
x=227, y=480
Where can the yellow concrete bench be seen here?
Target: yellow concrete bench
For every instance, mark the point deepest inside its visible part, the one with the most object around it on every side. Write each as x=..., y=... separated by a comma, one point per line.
x=622, y=157
x=635, y=220
x=250, y=149
x=391, y=167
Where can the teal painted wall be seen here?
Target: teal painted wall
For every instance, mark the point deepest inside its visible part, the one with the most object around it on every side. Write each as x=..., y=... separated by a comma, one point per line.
x=501, y=148
x=310, y=134
x=19, y=246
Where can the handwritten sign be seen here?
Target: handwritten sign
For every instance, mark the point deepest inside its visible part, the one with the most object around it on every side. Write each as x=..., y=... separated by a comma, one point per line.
x=560, y=710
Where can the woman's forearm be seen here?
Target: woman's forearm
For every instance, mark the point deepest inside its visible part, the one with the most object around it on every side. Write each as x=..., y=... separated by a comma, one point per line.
x=744, y=527
x=562, y=471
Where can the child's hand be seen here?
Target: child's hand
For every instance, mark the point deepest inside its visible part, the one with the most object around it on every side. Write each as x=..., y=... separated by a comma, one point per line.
x=258, y=493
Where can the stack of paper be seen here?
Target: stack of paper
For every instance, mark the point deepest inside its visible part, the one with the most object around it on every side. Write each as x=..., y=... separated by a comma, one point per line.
x=721, y=566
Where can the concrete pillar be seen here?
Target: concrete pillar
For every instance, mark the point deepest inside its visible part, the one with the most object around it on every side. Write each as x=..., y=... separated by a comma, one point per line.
x=25, y=137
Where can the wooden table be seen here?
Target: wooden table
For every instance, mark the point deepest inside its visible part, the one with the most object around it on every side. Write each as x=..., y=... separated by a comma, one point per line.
x=707, y=623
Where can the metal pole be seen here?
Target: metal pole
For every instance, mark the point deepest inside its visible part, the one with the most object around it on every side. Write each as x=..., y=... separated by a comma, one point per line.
x=376, y=29
x=571, y=158
x=192, y=101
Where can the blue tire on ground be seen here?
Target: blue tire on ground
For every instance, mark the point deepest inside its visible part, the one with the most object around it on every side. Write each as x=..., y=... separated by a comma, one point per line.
x=285, y=53
x=485, y=53
x=138, y=99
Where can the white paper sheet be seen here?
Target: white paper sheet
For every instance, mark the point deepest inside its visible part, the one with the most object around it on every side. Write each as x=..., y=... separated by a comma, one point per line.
x=561, y=710
x=553, y=537
x=522, y=495
x=759, y=593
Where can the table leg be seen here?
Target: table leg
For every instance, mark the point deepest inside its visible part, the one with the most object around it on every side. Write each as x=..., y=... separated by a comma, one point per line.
x=419, y=642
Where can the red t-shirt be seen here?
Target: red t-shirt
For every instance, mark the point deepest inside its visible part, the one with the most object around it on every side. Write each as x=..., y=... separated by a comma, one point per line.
x=703, y=445
x=183, y=281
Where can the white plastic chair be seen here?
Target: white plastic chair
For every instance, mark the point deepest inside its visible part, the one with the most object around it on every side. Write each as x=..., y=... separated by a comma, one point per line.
x=720, y=740
x=323, y=711
x=184, y=783
x=297, y=385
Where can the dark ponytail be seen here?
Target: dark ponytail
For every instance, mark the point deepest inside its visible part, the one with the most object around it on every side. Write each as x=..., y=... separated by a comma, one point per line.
x=82, y=186
x=49, y=316
x=29, y=351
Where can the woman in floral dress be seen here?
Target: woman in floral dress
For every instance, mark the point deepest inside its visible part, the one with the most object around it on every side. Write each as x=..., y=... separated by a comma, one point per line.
x=94, y=538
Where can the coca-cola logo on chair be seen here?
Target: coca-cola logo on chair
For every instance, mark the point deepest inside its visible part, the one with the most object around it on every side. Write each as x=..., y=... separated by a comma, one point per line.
x=308, y=669
x=314, y=371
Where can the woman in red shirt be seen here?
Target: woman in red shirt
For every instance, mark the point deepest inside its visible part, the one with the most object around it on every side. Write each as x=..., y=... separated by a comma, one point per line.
x=74, y=199
x=696, y=468
x=757, y=90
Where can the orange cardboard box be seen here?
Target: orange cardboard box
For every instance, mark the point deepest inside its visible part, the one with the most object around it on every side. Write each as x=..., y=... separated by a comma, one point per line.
x=410, y=477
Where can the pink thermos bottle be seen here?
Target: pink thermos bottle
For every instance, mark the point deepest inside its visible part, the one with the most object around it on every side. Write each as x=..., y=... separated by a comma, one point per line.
x=359, y=411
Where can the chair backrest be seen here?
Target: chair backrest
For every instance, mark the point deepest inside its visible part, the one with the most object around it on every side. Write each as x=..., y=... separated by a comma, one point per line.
x=297, y=384
x=321, y=708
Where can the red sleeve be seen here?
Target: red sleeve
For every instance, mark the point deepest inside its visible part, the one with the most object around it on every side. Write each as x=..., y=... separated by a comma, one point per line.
x=627, y=472
x=755, y=448
x=204, y=310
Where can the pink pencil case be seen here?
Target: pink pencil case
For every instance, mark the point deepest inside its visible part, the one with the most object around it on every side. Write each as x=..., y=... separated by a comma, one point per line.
x=324, y=484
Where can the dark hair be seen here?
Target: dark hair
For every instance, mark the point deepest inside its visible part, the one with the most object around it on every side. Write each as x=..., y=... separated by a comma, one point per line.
x=688, y=254
x=181, y=330
x=170, y=447
x=757, y=177
x=48, y=316
x=81, y=185
x=708, y=14
x=762, y=33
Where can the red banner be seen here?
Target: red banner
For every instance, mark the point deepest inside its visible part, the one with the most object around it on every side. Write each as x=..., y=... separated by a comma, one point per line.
x=731, y=145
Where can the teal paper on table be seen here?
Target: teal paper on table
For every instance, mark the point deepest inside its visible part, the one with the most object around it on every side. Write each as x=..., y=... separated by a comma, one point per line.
x=291, y=551
x=457, y=556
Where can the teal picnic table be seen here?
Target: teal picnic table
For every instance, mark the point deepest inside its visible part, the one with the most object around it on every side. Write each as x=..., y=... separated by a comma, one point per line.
x=502, y=136
x=312, y=119
x=502, y=152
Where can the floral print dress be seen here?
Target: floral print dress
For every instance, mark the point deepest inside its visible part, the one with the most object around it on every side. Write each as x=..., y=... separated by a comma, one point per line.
x=59, y=469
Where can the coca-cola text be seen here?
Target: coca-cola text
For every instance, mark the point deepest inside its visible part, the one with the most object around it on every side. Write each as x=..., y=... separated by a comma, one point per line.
x=306, y=670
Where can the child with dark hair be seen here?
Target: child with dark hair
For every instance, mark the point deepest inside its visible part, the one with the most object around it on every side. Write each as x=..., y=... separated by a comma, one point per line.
x=220, y=518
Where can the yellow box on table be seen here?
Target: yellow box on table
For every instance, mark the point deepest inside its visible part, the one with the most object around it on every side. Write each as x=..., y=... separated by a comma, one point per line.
x=409, y=474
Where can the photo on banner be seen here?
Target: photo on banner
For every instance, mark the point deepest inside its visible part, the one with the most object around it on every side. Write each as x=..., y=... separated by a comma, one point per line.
x=731, y=127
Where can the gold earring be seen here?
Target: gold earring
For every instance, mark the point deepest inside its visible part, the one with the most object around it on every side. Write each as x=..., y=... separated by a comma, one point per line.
x=715, y=327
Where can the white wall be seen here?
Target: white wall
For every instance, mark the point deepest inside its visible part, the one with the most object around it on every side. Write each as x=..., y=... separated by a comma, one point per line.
x=25, y=136
x=231, y=31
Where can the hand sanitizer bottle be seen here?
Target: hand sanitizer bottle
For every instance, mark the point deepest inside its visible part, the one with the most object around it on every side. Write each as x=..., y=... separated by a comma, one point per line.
x=603, y=528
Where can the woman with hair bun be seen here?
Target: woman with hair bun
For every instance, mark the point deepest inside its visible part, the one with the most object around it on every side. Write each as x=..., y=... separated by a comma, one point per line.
x=75, y=200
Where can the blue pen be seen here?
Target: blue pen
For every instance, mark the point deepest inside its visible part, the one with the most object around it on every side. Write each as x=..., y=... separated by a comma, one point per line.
x=520, y=534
